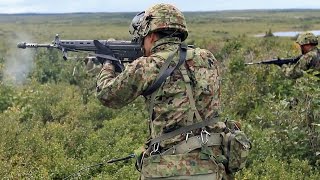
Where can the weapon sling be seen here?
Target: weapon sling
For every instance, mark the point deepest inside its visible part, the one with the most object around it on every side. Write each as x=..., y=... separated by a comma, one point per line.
x=165, y=71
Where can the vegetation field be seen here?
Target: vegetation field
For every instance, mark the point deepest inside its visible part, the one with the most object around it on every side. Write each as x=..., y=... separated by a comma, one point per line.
x=53, y=127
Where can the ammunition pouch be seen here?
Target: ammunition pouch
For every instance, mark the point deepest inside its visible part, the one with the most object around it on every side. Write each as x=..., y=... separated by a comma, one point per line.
x=236, y=147
x=232, y=141
x=190, y=164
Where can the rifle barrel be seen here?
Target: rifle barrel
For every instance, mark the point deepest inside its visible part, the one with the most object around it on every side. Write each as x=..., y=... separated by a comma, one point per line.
x=251, y=63
x=25, y=45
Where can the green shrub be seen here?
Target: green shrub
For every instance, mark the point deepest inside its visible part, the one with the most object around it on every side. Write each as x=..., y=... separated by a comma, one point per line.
x=6, y=96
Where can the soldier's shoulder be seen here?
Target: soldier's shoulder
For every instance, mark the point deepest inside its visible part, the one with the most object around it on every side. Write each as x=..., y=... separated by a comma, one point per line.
x=147, y=60
x=317, y=51
x=140, y=60
x=204, y=54
x=312, y=54
x=145, y=63
x=159, y=57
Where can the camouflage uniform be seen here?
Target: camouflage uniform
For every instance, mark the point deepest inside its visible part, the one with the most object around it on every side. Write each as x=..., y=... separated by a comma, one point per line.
x=171, y=107
x=309, y=62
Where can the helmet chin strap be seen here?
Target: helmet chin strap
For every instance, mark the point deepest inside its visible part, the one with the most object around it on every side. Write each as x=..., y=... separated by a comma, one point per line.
x=143, y=35
x=141, y=39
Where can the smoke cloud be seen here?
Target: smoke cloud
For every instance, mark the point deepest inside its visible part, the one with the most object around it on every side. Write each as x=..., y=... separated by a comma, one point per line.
x=18, y=62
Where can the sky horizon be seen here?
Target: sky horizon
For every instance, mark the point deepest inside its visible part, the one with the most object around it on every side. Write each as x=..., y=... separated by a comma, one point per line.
x=70, y=6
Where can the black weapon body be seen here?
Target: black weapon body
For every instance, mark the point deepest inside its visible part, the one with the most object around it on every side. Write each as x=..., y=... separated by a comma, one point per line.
x=278, y=62
x=124, y=51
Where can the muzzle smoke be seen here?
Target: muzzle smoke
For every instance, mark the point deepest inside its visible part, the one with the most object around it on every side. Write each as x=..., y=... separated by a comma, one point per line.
x=18, y=62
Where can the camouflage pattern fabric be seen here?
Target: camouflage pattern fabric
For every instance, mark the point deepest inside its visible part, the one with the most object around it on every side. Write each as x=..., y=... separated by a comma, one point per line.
x=173, y=19
x=171, y=103
x=182, y=166
x=307, y=38
x=160, y=17
x=309, y=61
x=236, y=146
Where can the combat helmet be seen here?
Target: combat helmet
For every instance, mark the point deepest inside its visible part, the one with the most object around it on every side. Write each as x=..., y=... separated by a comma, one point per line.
x=307, y=38
x=159, y=18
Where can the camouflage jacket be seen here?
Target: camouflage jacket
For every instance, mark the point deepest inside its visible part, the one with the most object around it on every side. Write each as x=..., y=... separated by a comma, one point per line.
x=310, y=60
x=171, y=104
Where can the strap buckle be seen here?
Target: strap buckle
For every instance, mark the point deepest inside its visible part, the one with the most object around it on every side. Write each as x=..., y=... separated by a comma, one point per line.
x=155, y=148
x=188, y=134
x=204, y=136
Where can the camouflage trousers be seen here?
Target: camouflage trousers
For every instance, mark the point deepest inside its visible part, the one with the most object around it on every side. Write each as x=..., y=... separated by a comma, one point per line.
x=193, y=177
x=194, y=165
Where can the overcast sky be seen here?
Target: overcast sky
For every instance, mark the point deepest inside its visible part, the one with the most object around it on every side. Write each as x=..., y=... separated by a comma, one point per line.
x=66, y=6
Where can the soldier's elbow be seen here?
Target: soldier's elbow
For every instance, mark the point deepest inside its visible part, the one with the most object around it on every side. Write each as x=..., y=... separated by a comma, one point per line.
x=113, y=104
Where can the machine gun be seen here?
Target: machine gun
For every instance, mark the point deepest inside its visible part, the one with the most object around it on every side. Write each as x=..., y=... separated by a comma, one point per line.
x=278, y=61
x=120, y=51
